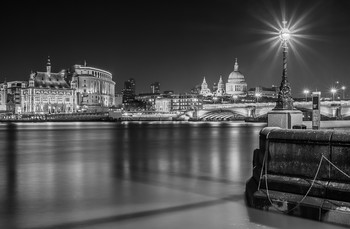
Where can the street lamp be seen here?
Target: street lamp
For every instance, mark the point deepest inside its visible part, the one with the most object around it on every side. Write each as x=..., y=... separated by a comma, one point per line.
x=235, y=97
x=306, y=92
x=333, y=91
x=343, y=88
x=284, y=101
x=257, y=95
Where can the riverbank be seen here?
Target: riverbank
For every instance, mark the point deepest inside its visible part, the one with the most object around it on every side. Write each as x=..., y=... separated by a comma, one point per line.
x=72, y=117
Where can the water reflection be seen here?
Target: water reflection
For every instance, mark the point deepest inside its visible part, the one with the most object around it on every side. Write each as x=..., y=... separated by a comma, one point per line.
x=8, y=190
x=65, y=175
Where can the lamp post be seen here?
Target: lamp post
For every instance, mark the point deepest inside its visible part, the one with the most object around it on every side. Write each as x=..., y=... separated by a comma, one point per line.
x=235, y=97
x=343, y=88
x=333, y=91
x=285, y=100
x=257, y=95
x=306, y=92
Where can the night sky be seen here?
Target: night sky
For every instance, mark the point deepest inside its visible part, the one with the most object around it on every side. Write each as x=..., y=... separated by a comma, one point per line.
x=177, y=43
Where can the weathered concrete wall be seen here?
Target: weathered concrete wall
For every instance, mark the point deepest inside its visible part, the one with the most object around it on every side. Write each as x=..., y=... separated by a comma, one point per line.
x=292, y=158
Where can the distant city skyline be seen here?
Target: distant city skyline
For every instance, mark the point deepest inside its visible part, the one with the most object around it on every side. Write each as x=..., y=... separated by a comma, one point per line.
x=177, y=43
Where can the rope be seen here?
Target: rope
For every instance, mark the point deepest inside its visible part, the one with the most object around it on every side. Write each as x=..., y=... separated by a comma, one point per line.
x=297, y=205
x=336, y=167
x=265, y=156
x=312, y=183
x=307, y=193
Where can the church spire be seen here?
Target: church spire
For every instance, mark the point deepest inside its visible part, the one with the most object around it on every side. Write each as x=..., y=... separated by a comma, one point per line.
x=220, y=80
x=236, y=66
x=48, y=65
x=204, y=82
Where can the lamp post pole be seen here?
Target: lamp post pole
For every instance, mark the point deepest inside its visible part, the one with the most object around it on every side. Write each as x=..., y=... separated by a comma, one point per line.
x=257, y=95
x=343, y=88
x=285, y=100
x=306, y=92
x=333, y=91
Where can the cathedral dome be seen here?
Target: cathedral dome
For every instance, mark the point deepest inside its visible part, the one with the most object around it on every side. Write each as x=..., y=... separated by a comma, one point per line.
x=236, y=84
x=236, y=75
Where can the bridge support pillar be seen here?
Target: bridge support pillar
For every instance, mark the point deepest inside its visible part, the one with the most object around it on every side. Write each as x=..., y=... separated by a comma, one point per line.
x=284, y=118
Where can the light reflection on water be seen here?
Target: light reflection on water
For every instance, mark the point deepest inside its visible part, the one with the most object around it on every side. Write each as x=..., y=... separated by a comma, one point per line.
x=69, y=175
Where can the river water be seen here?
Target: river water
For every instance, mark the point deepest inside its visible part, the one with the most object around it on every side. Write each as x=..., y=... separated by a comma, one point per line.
x=131, y=175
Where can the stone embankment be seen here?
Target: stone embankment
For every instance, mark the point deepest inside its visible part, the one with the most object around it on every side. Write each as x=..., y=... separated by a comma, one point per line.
x=72, y=117
x=304, y=173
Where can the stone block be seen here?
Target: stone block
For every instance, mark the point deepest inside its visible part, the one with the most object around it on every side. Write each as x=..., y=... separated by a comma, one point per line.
x=295, y=185
x=284, y=118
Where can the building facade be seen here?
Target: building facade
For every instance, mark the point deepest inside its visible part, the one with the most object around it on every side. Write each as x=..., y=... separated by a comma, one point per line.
x=205, y=91
x=264, y=92
x=129, y=91
x=183, y=102
x=94, y=87
x=155, y=87
x=163, y=104
x=3, y=97
x=118, y=100
x=148, y=99
x=236, y=84
x=10, y=96
x=220, y=91
x=48, y=93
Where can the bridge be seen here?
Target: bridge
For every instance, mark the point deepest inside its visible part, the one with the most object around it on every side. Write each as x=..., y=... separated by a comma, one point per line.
x=234, y=111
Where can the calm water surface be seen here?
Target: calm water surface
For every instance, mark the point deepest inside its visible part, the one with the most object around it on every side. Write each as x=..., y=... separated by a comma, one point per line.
x=131, y=175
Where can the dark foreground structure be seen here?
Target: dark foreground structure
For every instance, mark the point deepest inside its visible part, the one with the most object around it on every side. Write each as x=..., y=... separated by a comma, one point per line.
x=303, y=173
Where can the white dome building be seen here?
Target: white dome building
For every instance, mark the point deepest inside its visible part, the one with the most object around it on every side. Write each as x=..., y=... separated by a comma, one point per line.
x=236, y=84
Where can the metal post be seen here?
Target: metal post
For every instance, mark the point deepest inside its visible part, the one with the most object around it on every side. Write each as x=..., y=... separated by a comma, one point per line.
x=316, y=116
x=284, y=101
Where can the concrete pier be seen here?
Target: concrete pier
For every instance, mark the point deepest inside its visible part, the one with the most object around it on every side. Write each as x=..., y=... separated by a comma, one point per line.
x=302, y=173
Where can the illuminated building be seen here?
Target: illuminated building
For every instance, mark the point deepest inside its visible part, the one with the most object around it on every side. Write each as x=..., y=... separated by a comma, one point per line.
x=205, y=91
x=155, y=87
x=163, y=104
x=264, y=92
x=3, y=96
x=47, y=93
x=236, y=84
x=95, y=88
x=220, y=91
x=129, y=91
x=184, y=102
x=10, y=96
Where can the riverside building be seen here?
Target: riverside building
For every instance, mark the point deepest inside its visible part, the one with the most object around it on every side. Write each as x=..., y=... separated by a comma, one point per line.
x=47, y=93
x=235, y=87
x=10, y=96
x=236, y=84
x=94, y=88
x=205, y=91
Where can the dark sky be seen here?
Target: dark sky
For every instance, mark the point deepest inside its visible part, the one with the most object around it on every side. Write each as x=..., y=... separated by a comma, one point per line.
x=177, y=42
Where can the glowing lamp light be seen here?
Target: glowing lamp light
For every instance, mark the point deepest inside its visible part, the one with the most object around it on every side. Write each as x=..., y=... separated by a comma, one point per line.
x=284, y=34
x=333, y=90
x=306, y=92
